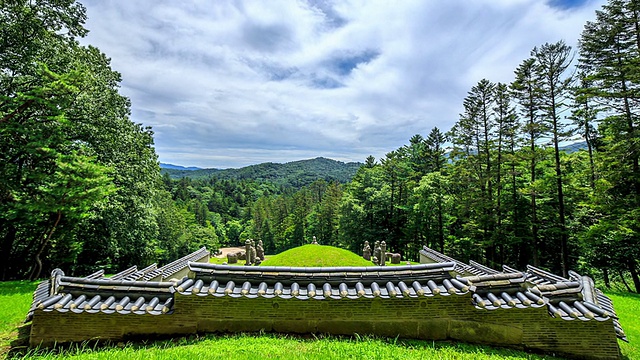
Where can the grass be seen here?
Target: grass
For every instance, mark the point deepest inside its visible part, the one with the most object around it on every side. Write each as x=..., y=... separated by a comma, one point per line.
x=15, y=299
x=316, y=256
x=627, y=307
x=313, y=256
x=270, y=346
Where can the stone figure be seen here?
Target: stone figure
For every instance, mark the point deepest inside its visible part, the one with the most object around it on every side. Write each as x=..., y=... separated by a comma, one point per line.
x=376, y=250
x=314, y=242
x=383, y=253
x=232, y=258
x=253, y=252
x=247, y=249
x=260, y=250
x=366, y=251
x=242, y=255
x=395, y=258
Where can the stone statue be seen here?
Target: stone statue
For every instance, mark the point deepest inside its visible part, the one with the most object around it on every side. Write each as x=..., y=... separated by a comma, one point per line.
x=376, y=251
x=383, y=253
x=260, y=250
x=247, y=249
x=314, y=242
x=366, y=251
x=395, y=258
x=253, y=252
x=232, y=258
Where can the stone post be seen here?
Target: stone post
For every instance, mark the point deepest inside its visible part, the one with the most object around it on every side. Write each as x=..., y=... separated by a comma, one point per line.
x=383, y=253
x=376, y=251
x=247, y=249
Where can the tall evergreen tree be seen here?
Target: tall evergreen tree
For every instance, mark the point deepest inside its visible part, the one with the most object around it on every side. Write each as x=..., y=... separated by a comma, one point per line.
x=610, y=58
x=552, y=62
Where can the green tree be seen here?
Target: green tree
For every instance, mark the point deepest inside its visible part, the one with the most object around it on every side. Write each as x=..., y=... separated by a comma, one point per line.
x=609, y=57
x=527, y=92
x=552, y=62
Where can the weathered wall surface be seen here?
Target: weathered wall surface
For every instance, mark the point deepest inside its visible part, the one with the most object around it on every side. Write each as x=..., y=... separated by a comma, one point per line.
x=435, y=318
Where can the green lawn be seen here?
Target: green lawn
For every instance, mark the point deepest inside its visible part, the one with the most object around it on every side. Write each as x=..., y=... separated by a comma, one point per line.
x=15, y=299
x=627, y=306
x=312, y=256
x=316, y=256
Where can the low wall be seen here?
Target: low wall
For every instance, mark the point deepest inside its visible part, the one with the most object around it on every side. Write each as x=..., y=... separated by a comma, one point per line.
x=438, y=317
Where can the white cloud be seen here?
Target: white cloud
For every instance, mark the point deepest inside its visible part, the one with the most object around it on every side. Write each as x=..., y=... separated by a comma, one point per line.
x=233, y=83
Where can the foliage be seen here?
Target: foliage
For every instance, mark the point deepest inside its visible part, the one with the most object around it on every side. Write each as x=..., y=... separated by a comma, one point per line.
x=81, y=180
x=295, y=174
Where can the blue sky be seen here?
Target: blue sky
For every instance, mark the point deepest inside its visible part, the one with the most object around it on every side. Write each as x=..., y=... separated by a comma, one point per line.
x=233, y=83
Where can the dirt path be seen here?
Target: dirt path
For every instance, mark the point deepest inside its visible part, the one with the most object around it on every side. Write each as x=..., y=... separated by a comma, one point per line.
x=224, y=251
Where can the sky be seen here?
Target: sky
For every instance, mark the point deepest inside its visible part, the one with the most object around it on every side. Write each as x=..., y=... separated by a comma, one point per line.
x=230, y=83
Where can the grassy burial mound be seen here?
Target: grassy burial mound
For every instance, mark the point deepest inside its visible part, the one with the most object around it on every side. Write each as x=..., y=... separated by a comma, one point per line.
x=316, y=256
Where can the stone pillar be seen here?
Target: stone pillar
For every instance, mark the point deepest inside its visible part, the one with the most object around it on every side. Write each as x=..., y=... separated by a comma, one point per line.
x=383, y=253
x=247, y=249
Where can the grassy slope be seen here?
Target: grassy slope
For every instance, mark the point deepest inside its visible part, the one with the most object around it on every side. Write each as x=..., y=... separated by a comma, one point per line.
x=312, y=256
x=627, y=307
x=316, y=256
x=15, y=299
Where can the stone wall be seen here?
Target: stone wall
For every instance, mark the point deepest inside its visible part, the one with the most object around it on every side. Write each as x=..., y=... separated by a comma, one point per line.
x=434, y=318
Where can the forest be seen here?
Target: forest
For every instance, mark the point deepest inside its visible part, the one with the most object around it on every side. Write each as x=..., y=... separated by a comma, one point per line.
x=81, y=185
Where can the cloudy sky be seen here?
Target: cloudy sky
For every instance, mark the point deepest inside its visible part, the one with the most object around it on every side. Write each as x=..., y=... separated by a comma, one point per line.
x=233, y=83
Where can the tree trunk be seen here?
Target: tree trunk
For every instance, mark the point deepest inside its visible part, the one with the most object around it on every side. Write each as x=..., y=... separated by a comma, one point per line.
x=624, y=281
x=634, y=274
x=605, y=275
x=564, y=239
x=587, y=137
x=534, y=209
x=38, y=265
x=5, y=250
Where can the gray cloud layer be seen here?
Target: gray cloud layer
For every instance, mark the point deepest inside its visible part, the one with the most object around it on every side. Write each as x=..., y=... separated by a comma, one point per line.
x=234, y=83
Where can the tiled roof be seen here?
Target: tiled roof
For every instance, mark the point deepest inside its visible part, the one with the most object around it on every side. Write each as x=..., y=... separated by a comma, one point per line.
x=131, y=291
x=126, y=292
x=461, y=267
x=568, y=299
x=320, y=283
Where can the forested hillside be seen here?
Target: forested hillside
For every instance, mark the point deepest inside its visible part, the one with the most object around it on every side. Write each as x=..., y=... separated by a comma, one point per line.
x=295, y=174
x=81, y=186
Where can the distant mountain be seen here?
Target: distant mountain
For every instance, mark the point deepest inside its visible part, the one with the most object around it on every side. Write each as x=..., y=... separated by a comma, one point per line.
x=576, y=146
x=178, y=167
x=297, y=173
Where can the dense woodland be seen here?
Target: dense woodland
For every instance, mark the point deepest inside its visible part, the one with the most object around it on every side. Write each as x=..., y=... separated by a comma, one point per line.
x=81, y=187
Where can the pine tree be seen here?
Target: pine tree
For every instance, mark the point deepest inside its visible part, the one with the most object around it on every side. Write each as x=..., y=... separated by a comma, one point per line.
x=527, y=92
x=610, y=59
x=552, y=62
